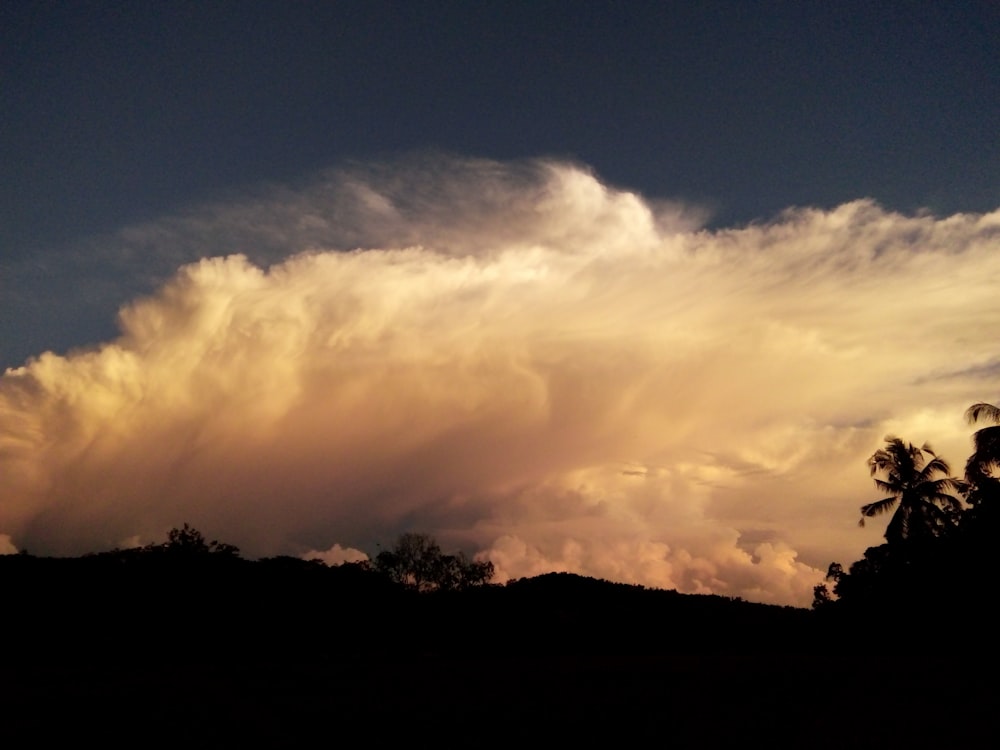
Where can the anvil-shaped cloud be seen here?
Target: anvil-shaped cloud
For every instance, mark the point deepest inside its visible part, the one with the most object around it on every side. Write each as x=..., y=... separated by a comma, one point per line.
x=523, y=362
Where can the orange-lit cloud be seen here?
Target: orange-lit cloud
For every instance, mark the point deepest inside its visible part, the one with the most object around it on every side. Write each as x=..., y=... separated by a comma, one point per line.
x=6, y=545
x=524, y=363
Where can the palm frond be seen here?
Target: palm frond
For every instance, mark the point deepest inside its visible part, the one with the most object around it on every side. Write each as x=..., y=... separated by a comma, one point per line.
x=878, y=462
x=986, y=438
x=986, y=442
x=977, y=471
x=985, y=459
x=942, y=486
x=884, y=486
x=949, y=502
x=936, y=465
x=878, y=507
x=982, y=411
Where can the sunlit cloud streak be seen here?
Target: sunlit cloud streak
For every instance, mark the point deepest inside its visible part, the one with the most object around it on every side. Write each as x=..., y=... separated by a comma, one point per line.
x=522, y=361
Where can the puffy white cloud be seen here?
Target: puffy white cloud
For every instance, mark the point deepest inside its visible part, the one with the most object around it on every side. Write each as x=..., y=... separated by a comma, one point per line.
x=523, y=362
x=336, y=555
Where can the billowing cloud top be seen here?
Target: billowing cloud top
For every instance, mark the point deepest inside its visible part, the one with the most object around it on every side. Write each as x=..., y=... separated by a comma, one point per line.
x=523, y=362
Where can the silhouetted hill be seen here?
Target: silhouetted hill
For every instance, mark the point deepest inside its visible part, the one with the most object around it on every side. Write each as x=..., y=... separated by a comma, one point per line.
x=567, y=613
x=216, y=606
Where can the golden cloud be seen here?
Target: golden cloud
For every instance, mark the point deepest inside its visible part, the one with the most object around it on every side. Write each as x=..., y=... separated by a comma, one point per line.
x=560, y=376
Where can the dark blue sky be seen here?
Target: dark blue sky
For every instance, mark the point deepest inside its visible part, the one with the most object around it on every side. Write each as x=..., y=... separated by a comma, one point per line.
x=115, y=113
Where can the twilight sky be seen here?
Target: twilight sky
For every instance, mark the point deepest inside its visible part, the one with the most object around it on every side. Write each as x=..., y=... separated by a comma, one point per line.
x=631, y=290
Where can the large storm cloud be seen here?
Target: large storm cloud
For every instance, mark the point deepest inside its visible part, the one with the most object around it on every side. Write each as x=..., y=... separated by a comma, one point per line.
x=520, y=360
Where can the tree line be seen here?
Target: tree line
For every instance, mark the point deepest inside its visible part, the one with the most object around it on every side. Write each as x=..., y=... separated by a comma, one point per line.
x=413, y=562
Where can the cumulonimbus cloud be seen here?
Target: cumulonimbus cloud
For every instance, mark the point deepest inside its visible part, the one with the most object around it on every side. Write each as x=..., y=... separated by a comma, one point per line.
x=525, y=363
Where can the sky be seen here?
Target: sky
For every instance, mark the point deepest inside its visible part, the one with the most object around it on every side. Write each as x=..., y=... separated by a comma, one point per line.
x=626, y=290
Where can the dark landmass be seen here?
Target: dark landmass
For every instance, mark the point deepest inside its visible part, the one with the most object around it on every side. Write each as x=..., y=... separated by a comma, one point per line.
x=193, y=646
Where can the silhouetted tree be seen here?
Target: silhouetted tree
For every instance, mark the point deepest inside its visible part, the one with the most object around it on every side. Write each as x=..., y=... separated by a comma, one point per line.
x=821, y=596
x=984, y=464
x=190, y=541
x=920, y=489
x=416, y=561
x=454, y=572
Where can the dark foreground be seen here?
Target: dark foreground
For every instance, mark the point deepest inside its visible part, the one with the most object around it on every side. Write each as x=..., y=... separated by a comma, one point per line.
x=286, y=656
x=708, y=700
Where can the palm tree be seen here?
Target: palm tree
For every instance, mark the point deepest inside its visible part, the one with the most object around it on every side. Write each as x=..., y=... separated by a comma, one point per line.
x=984, y=463
x=921, y=486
